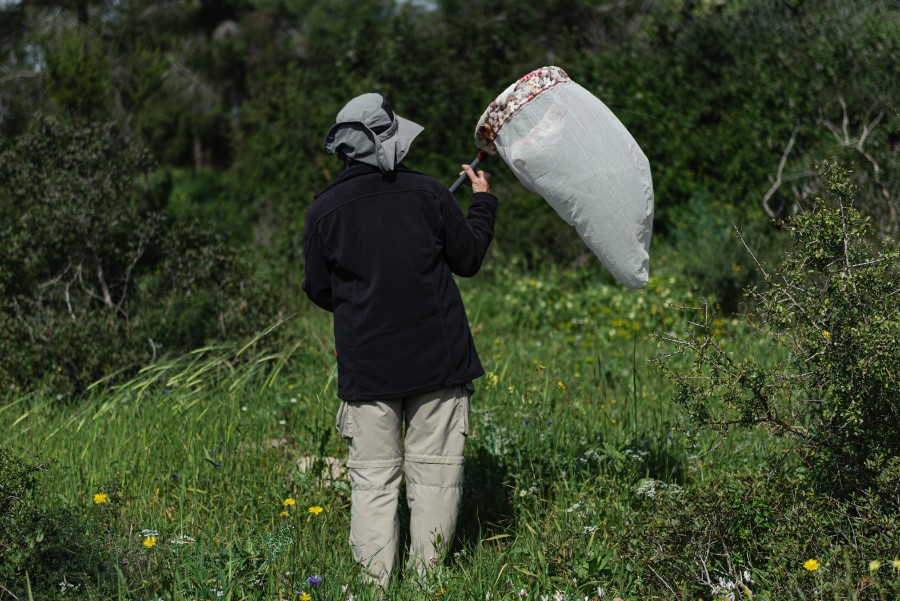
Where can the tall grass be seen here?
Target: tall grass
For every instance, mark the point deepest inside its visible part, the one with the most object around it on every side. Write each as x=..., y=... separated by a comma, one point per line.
x=212, y=461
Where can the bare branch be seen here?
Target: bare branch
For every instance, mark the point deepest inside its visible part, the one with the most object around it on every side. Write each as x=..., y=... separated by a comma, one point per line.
x=842, y=135
x=19, y=75
x=779, y=174
x=69, y=299
x=88, y=289
x=98, y=266
x=21, y=319
x=142, y=244
x=740, y=236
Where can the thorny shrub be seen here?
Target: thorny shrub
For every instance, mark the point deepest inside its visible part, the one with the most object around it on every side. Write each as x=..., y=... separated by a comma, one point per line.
x=831, y=316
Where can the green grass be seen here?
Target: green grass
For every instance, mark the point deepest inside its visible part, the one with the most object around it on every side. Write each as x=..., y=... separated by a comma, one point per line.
x=570, y=429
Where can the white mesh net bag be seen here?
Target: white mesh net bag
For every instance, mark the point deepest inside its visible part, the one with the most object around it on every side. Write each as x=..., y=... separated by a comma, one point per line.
x=564, y=144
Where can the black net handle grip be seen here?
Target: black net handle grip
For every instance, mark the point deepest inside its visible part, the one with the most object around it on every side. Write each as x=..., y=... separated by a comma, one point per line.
x=462, y=178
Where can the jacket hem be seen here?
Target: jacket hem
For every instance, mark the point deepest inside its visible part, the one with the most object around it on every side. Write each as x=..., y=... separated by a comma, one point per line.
x=464, y=379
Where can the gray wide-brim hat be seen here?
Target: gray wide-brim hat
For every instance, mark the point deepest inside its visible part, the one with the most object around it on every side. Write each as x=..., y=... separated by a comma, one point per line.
x=368, y=131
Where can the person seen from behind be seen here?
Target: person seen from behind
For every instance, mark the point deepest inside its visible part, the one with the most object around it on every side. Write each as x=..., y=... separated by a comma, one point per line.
x=381, y=245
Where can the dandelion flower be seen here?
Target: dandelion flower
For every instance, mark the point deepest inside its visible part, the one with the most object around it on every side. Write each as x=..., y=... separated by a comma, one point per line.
x=316, y=510
x=305, y=597
x=874, y=565
x=811, y=564
x=100, y=498
x=289, y=502
x=284, y=513
x=150, y=541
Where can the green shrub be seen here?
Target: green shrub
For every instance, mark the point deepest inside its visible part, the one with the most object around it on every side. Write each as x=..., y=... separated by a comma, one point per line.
x=704, y=233
x=94, y=275
x=48, y=548
x=829, y=314
x=749, y=536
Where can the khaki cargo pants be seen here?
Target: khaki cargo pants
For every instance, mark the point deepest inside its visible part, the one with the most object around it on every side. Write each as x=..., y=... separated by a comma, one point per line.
x=437, y=424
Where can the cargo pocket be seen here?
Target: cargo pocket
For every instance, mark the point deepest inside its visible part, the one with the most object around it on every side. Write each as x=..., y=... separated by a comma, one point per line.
x=344, y=422
x=462, y=407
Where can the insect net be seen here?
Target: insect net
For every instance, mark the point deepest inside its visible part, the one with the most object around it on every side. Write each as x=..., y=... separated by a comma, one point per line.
x=564, y=144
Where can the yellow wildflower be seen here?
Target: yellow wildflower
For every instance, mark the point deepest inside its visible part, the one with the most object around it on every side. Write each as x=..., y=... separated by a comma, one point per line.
x=305, y=597
x=100, y=498
x=284, y=513
x=874, y=565
x=811, y=564
x=826, y=334
x=896, y=564
x=289, y=502
x=316, y=510
x=560, y=385
x=150, y=541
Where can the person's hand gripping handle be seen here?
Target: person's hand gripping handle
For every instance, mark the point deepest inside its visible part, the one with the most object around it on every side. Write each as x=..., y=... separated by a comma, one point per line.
x=480, y=180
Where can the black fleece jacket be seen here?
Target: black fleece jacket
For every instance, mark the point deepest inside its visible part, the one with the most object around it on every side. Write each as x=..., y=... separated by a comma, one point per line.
x=380, y=251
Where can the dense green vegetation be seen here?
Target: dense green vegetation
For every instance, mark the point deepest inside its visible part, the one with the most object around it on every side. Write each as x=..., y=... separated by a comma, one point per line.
x=165, y=387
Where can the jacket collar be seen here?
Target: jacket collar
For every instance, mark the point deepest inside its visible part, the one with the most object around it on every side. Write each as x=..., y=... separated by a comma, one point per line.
x=358, y=170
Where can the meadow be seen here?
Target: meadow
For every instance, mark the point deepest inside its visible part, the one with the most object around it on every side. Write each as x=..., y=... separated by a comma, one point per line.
x=173, y=438
x=218, y=474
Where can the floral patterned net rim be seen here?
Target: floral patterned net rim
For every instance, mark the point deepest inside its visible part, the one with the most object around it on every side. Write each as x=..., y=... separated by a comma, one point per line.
x=511, y=100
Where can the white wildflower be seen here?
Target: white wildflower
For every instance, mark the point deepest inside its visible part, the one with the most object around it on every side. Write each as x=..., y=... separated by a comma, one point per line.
x=647, y=488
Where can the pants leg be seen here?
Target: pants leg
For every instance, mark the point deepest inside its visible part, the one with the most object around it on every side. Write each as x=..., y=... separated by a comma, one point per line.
x=372, y=429
x=437, y=424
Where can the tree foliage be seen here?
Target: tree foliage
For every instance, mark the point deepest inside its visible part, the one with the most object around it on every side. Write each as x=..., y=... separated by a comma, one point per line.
x=95, y=275
x=733, y=102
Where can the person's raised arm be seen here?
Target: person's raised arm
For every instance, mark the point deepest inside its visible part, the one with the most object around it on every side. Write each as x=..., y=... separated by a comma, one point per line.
x=468, y=237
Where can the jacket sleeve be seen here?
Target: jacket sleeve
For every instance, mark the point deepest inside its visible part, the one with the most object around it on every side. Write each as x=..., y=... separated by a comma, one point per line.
x=317, y=276
x=467, y=237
